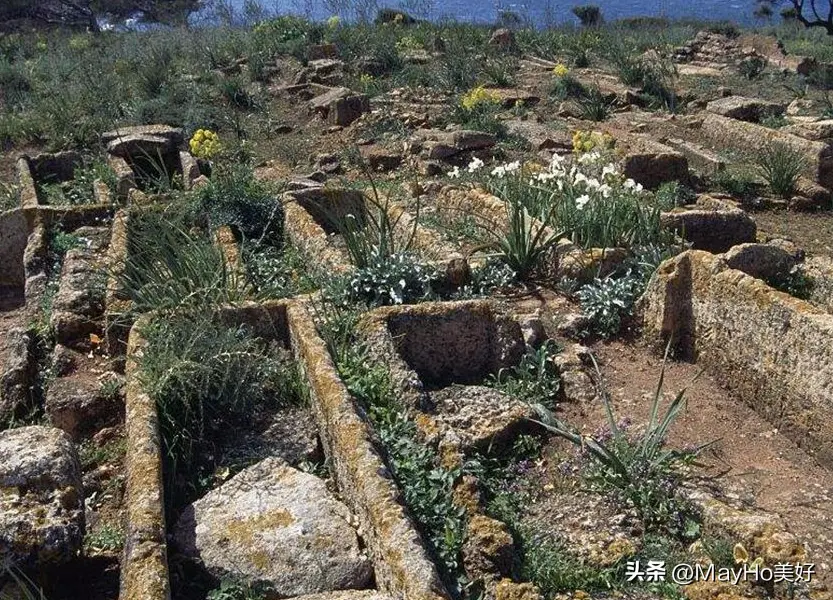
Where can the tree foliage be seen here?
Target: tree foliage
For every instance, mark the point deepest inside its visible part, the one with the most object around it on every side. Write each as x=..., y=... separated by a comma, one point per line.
x=88, y=13
x=810, y=13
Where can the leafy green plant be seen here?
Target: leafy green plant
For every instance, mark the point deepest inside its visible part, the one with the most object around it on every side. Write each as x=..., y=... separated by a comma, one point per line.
x=231, y=589
x=673, y=194
x=781, y=166
x=385, y=281
x=638, y=469
x=608, y=301
x=235, y=92
x=795, y=283
x=168, y=268
x=593, y=105
x=752, y=67
x=105, y=538
x=535, y=379
x=426, y=485
x=566, y=86
x=738, y=183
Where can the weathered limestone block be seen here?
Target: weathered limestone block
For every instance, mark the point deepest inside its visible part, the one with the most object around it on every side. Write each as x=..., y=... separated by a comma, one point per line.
x=14, y=233
x=402, y=566
x=763, y=261
x=712, y=230
x=344, y=111
x=472, y=417
x=274, y=525
x=173, y=134
x=79, y=303
x=446, y=342
x=17, y=373
x=745, y=109
x=445, y=144
x=652, y=164
x=79, y=406
x=731, y=133
x=751, y=337
x=818, y=131
x=41, y=497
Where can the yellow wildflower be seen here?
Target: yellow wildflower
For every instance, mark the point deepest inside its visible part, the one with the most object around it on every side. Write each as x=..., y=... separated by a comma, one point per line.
x=205, y=144
x=478, y=97
x=560, y=70
x=333, y=22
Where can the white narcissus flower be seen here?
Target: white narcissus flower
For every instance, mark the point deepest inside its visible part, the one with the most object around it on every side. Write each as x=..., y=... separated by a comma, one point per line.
x=475, y=165
x=582, y=201
x=606, y=190
x=498, y=171
x=579, y=177
x=512, y=167
x=608, y=170
x=629, y=184
x=454, y=173
x=594, y=183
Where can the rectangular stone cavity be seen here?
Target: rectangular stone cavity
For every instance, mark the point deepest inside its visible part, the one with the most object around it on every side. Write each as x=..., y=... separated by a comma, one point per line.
x=448, y=343
x=771, y=349
x=401, y=563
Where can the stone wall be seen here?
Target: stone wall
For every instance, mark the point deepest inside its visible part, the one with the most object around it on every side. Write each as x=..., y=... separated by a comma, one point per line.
x=731, y=133
x=771, y=349
x=14, y=231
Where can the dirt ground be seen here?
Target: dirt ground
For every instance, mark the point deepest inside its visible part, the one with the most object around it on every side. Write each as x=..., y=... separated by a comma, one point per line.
x=757, y=467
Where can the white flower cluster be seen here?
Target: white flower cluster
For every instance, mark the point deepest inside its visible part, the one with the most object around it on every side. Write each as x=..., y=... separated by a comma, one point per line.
x=583, y=178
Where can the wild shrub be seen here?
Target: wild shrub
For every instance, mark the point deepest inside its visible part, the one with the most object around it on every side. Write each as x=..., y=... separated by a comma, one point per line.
x=167, y=268
x=426, y=485
x=781, y=167
x=735, y=182
x=535, y=379
x=593, y=105
x=235, y=197
x=636, y=468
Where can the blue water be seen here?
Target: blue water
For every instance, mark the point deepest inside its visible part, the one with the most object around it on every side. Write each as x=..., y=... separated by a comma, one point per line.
x=539, y=12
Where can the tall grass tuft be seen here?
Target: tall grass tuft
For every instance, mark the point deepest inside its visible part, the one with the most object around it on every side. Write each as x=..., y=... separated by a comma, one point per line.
x=781, y=166
x=169, y=268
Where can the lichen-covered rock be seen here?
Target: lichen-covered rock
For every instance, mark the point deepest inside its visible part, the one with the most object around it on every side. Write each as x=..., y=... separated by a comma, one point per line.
x=475, y=416
x=79, y=304
x=763, y=261
x=347, y=595
x=740, y=135
x=750, y=336
x=489, y=549
x=274, y=525
x=745, y=109
x=14, y=232
x=509, y=590
x=79, y=405
x=652, y=164
x=16, y=373
x=711, y=230
x=41, y=497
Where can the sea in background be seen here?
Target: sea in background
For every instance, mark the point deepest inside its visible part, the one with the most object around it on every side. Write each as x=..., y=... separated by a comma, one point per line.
x=539, y=13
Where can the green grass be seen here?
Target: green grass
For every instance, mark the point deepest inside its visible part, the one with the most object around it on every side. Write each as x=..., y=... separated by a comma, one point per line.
x=781, y=166
x=169, y=268
x=426, y=485
x=203, y=375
